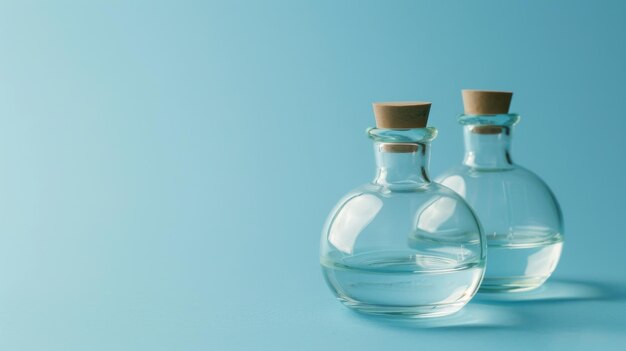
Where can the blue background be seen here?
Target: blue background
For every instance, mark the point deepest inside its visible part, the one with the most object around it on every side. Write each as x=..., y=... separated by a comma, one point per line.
x=166, y=167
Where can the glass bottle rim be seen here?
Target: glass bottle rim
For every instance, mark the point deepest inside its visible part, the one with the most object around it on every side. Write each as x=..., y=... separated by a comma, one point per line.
x=504, y=120
x=413, y=135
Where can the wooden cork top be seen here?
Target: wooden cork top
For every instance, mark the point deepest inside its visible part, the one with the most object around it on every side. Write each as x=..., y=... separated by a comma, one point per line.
x=401, y=115
x=484, y=102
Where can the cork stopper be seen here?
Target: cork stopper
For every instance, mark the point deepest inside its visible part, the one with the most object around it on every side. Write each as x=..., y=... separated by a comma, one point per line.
x=487, y=129
x=484, y=102
x=401, y=115
x=399, y=148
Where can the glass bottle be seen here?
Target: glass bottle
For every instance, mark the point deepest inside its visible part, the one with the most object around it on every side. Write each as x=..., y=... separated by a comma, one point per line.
x=402, y=245
x=520, y=216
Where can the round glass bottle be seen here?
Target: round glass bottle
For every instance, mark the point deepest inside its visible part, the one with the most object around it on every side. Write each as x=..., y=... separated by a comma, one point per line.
x=520, y=215
x=402, y=245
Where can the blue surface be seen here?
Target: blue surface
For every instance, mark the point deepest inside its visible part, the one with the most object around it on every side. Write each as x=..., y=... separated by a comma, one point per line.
x=167, y=166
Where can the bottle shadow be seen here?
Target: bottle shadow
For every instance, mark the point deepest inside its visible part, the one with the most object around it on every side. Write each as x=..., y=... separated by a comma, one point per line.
x=503, y=310
x=472, y=316
x=558, y=291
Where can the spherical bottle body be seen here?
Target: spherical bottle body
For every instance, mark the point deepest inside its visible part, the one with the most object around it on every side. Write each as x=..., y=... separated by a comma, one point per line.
x=519, y=213
x=402, y=245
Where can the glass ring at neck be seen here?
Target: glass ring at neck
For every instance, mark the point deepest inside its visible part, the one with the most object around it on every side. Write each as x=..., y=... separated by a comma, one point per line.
x=414, y=135
x=504, y=120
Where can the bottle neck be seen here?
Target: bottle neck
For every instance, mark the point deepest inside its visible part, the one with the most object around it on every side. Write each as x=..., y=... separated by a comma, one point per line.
x=487, y=147
x=401, y=165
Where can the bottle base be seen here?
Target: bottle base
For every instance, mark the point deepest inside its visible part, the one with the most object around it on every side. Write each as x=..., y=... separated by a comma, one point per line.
x=403, y=312
x=512, y=284
x=522, y=266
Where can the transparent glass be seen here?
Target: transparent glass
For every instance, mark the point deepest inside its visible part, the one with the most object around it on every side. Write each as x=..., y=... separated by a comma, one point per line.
x=521, y=217
x=402, y=245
